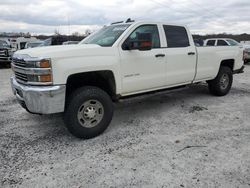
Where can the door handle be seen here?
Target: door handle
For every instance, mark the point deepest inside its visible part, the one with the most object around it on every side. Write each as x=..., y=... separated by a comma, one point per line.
x=191, y=53
x=160, y=55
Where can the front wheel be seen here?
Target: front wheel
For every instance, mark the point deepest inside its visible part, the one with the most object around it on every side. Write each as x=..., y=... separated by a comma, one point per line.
x=222, y=84
x=88, y=112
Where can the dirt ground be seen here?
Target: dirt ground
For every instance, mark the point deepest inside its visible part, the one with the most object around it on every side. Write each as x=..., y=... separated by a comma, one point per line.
x=184, y=138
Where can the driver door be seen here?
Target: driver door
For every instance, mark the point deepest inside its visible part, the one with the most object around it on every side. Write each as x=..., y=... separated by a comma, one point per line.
x=143, y=70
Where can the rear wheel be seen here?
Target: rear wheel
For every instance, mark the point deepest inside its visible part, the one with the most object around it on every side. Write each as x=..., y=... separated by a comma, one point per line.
x=88, y=112
x=222, y=84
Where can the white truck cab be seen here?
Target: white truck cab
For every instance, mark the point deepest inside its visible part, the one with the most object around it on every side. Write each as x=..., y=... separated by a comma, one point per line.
x=118, y=61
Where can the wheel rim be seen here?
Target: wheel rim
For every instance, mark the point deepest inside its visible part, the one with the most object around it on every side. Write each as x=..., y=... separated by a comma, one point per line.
x=224, y=81
x=90, y=113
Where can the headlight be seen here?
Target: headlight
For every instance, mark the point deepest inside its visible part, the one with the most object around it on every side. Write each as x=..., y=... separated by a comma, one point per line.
x=38, y=63
x=33, y=71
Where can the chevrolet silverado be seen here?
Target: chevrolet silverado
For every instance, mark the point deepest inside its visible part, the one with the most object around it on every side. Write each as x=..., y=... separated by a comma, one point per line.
x=120, y=60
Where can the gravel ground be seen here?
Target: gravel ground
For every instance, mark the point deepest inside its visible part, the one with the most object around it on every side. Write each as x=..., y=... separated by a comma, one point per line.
x=184, y=138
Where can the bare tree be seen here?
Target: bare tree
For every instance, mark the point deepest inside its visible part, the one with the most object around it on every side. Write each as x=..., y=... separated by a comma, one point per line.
x=57, y=32
x=87, y=32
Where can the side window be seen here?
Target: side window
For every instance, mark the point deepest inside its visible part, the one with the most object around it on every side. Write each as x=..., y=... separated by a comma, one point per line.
x=210, y=42
x=176, y=36
x=221, y=43
x=153, y=29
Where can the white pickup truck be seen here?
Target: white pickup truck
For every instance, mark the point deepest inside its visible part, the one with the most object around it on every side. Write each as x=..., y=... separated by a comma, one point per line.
x=120, y=60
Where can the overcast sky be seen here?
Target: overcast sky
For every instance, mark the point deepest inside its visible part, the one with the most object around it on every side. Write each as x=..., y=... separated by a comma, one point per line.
x=44, y=16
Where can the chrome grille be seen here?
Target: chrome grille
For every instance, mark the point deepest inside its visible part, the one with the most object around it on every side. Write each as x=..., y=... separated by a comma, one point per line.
x=20, y=76
x=19, y=63
x=3, y=53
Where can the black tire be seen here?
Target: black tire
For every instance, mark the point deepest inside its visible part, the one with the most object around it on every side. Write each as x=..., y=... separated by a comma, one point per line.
x=76, y=100
x=216, y=86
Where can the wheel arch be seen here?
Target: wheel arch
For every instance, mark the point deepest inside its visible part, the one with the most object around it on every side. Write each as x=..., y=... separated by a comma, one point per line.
x=104, y=80
x=228, y=63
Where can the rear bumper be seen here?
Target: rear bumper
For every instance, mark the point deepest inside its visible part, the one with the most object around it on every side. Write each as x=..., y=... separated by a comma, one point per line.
x=40, y=99
x=238, y=71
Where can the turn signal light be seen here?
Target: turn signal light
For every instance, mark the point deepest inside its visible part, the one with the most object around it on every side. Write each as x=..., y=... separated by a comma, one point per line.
x=45, y=78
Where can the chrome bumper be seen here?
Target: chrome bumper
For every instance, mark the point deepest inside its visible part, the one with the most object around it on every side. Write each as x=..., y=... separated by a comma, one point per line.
x=40, y=99
x=5, y=59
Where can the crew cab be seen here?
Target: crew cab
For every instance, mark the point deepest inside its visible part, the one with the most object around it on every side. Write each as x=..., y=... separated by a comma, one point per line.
x=118, y=61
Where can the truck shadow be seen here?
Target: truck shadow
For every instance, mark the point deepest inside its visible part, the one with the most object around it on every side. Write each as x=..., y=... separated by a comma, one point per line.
x=124, y=110
x=24, y=132
x=129, y=110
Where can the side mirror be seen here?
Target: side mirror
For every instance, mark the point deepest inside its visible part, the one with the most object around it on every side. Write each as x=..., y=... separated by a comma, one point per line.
x=142, y=42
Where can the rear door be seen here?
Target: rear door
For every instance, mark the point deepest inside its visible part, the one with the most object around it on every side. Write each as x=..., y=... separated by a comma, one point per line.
x=180, y=55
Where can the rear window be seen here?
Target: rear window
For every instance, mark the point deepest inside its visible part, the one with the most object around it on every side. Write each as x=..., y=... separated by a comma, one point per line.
x=177, y=36
x=211, y=43
x=221, y=43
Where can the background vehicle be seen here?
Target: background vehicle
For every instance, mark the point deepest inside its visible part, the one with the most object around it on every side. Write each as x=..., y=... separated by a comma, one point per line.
x=20, y=42
x=5, y=53
x=221, y=42
x=198, y=42
x=118, y=61
x=246, y=53
x=55, y=40
x=70, y=42
x=34, y=44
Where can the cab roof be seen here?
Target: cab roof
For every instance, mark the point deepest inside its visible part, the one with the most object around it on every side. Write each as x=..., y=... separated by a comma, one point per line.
x=132, y=22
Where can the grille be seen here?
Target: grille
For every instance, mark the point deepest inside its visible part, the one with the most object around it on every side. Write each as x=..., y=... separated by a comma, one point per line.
x=20, y=77
x=3, y=53
x=19, y=63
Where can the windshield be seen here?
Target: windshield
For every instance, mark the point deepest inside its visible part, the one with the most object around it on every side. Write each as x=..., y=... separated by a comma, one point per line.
x=106, y=36
x=232, y=42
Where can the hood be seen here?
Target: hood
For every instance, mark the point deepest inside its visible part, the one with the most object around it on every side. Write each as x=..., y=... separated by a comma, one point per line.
x=64, y=51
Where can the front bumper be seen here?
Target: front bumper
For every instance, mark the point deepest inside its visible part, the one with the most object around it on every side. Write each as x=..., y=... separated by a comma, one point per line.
x=40, y=99
x=5, y=59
